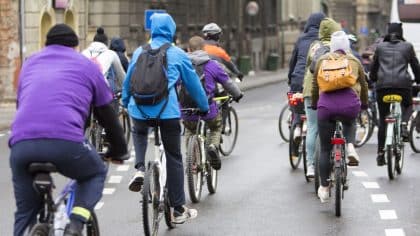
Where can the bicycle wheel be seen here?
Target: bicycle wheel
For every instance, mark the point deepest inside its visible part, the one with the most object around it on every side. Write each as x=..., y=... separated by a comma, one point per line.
x=295, y=154
x=40, y=229
x=338, y=190
x=364, y=127
x=168, y=212
x=92, y=226
x=305, y=166
x=194, y=169
x=126, y=125
x=284, y=122
x=399, y=160
x=390, y=161
x=415, y=135
x=211, y=179
x=317, y=177
x=229, y=132
x=151, y=201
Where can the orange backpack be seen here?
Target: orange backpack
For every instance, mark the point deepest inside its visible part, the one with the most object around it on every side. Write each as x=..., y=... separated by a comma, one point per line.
x=335, y=74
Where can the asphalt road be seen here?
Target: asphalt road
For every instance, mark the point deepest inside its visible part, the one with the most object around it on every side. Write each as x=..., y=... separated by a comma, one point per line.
x=259, y=194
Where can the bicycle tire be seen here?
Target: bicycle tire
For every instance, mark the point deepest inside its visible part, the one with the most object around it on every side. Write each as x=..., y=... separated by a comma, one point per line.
x=225, y=146
x=400, y=163
x=338, y=190
x=211, y=179
x=390, y=161
x=317, y=176
x=150, y=201
x=366, y=124
x=40, y=229
x=414, y=137
x=92, y=226
x=305, y=164
x=194, y=169
x=126, y=124
x=168, y=212
x=284, y=119
x=294, y=155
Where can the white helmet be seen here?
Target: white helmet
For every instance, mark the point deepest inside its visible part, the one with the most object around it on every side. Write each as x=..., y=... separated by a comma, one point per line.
x=211, y=29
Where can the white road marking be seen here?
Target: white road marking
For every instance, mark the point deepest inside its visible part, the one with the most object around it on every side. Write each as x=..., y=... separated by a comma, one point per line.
x=123, y=168
x=379, y=198
x=1, y=135
x=388, y=214
x=115, y=179
x=370, y=184
x=131, y=159
x=352, y=167
x=359, y=173
x=108, y=191
x=99, y=205
x=394, y=232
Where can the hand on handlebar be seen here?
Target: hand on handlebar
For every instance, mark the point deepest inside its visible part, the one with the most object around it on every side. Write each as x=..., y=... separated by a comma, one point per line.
x=236, y=99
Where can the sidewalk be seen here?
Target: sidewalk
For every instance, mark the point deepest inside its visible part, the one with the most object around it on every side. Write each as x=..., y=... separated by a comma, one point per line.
x=260, y=79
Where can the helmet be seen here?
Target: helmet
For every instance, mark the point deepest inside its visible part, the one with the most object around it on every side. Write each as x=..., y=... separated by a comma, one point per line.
x=352, y=38
x=211, y=29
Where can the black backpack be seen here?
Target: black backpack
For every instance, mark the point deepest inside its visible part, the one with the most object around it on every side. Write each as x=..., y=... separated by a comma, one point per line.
x=149, y=84
x=185, y=98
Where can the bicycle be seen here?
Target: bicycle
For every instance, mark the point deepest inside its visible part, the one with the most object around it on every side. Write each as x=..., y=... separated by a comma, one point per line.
x=155, y=200
x=414, y=130
x=394, y=147
x=285, y=122
x=54, y=214
x=198, y=166
x=366, y=122
x=230, y=125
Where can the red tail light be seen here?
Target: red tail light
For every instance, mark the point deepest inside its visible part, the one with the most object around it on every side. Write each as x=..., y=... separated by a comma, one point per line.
x=390, y=120
x=303, y=117
x=339, y=141
x=337, y=155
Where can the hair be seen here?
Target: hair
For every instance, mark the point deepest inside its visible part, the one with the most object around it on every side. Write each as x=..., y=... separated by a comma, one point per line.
x=196, y=43
x=100, y=36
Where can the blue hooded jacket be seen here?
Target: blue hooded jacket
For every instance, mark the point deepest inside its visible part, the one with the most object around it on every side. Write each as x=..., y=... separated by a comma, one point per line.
x=179, y=67
x=297, y=62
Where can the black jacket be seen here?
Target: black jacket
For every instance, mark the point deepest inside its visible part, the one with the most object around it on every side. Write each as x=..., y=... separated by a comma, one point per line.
x=117, y=45
x=390, y=64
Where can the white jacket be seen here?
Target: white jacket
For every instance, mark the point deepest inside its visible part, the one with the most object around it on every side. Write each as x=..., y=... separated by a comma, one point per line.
x=106, y=58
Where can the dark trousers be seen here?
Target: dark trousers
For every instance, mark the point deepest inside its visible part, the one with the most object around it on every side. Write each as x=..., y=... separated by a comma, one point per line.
x=326, y=131
x=406, y=109
x=170, y=130
x=78, y=161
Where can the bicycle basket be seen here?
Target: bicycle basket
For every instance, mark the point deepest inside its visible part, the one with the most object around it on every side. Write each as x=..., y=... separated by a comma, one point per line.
x=296, y=104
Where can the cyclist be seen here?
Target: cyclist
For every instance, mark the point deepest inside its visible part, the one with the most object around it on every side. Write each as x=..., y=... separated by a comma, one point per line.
x=297, y=73
x=212, y=33
x=178, y=67
x=212, y=75
x=343, y=103
x=117, y=45
x=49, y=127
x=390, y=72
x=353, y=42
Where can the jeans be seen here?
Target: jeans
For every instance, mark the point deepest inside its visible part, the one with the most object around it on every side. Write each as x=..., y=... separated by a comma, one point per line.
x=78, y=161
x=312, y=131
x=170, y=130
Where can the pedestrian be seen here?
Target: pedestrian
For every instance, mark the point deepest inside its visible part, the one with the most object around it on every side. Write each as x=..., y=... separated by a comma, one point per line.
x=117, y=45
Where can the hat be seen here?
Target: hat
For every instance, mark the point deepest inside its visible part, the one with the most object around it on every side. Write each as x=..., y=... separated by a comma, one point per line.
x=100, y=36
x=62, y=34
x=339, y=41
x=395, y=28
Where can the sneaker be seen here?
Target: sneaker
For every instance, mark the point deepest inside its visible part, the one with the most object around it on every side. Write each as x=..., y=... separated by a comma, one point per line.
x=310, y=172
x=136, y=181
x=214, y=157
x=380, y=160
x=323, y=194
x=404, y=133
x=187, y=214
x=352, y=155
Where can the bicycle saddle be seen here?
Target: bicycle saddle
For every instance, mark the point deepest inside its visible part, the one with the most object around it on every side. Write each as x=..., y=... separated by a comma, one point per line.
x=390, y=98
x=43, y=167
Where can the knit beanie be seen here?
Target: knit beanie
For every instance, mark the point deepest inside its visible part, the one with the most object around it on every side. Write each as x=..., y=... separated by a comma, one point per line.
x=100, y=36
x=340, y=41
x=395, y=28
x=62, y=34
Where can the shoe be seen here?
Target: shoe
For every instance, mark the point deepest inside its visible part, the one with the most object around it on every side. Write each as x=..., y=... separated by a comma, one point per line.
x=187, y=214
x=136, y=181
x=70, y=230
x=352, y=155
x=310, y=172
x=214, y=158
x=404, y=133
x=380, y=160
x=297, y=133
x=323, y=194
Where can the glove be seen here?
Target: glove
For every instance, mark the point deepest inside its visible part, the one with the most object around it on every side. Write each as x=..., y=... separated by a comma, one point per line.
x=203, y=113
x=364, y=106
x=238, y=98
x=240, y=76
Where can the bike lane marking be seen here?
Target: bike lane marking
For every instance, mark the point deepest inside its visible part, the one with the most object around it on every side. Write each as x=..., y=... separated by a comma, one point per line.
x=371, y=185
x=115, y=179
x=99, y=205
x=108, y=191
x=394, y=232
x=379, y=198
x=388, y=214
x=123, y=168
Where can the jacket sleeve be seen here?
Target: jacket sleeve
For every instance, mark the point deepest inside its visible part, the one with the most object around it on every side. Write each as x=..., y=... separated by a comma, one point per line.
x=363, y=85
x=373, y=75
x=192, y=82
x=126, y=84
x=220, y=76
x=119, y=70
x=414, y=63
x=292, y=63
x=315, y=87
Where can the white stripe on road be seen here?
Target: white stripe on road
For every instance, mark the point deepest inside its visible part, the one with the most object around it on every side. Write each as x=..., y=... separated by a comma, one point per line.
x=370, y=184
x=394, y=232
x=359, y=173
x=379, y=198
x=108, y=191
x=1, y=135
x=131, y=159
x=115, y=179
x=388, y=214
x=123, y=168
x=99, y=205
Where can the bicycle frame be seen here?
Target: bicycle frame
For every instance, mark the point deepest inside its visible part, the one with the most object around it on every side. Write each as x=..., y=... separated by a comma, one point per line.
x=160, y=160
x=393, y=121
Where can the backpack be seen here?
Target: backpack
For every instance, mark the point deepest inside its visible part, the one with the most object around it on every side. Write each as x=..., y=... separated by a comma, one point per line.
x=335, y=74
x=184, y=97
x=149, y=83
